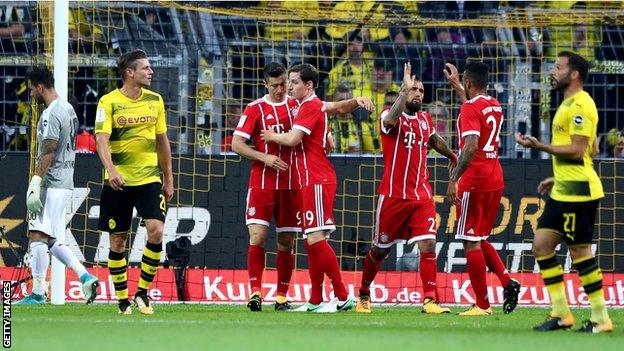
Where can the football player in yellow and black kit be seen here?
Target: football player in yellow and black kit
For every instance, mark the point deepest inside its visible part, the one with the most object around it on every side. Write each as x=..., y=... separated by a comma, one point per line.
x=131, y=133
x=575, y=192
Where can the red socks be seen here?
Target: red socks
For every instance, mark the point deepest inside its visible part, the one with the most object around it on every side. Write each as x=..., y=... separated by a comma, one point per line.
x=494, y=262
x=476, y=272
x=316, y=276
x=285, y=264
x=255, y=267
x=428, y=271
x=372, y=264
x=322, y=259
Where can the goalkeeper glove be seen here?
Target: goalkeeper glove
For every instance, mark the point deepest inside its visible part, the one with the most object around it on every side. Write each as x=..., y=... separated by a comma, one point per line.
x=33, y=202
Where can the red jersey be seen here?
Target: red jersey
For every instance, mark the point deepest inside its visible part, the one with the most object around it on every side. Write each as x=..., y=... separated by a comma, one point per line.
x=405, y=157
x=481, y=116
x=312, y=163
x=264, y=114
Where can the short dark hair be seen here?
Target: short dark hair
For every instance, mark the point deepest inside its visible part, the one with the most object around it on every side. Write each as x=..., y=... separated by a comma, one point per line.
x=382, y=64
x=391, y=93
x=307, y=72
x=129, y=60
x=477, y=72
x=343, y=87
x=577, y=63
x=40, y=75
x=273, y=70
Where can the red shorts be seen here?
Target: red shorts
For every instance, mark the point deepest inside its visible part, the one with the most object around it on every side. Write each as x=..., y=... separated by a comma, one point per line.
x=281, y=204
x=399, y=220
x=476, y=214
x=317, y=208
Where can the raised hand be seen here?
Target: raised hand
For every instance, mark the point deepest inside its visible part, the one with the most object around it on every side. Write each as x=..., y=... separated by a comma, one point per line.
x=409, y=81
x=451, y=74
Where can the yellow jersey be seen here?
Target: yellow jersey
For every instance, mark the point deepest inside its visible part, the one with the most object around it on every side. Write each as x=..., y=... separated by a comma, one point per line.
x=575, y=181
x=133, y=126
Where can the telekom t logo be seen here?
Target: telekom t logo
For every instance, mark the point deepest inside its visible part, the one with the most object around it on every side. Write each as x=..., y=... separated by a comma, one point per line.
x=410, y=139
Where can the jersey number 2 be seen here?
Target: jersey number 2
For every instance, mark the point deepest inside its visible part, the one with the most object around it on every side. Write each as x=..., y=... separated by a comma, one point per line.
x=494, y=134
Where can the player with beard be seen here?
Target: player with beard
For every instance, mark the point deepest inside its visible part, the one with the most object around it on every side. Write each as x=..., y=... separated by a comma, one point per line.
x=405, y=206
x=575, y=193
x=50, y=188
x=476, y=185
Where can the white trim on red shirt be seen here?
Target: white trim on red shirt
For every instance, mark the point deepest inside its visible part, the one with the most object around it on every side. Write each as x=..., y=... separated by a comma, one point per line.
x=242, y=134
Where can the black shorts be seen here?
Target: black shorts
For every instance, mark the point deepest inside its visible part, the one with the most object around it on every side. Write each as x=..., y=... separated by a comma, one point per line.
x=573, y=220
x=116, y=206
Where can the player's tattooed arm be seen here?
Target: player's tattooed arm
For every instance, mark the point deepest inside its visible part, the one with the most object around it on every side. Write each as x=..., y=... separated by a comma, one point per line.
x=390, y=120
x=465, y=159
x=440, y=145
x=471, y=142
x=49, y=150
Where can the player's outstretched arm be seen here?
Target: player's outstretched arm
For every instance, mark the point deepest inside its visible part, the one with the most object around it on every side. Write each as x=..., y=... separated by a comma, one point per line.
x=291, y=138
x=440, y=145
x=240, y=147
x=452, y=76
x=348, y=106
x=409, y=81
x=163, y=149
x=115, y=179
x=573, y=151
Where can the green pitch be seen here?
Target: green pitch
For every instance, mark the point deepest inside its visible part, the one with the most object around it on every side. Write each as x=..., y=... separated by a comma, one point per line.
x=218, y=327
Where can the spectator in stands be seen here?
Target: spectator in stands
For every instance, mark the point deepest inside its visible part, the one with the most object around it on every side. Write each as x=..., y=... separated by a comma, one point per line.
x=84, y=35
x=354, y=12
x=350, y=137
x=441, y=118
x=390, y=97
x=232, y=114
x=15, y=22
x=85, y=142
x=382, y=83
x=615, y=143
x=292, y=29
x=581, y=39
x=354, y=71
x=447, y=51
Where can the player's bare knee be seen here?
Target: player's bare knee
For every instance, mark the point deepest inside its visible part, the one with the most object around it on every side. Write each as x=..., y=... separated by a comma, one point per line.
x=471, y=245
x=380, y=253
x=427, y=245
x=35, y=235
x=580, y=251
x=118, y=241
x=257, y=238
x=285, y=241
x=155, y=229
